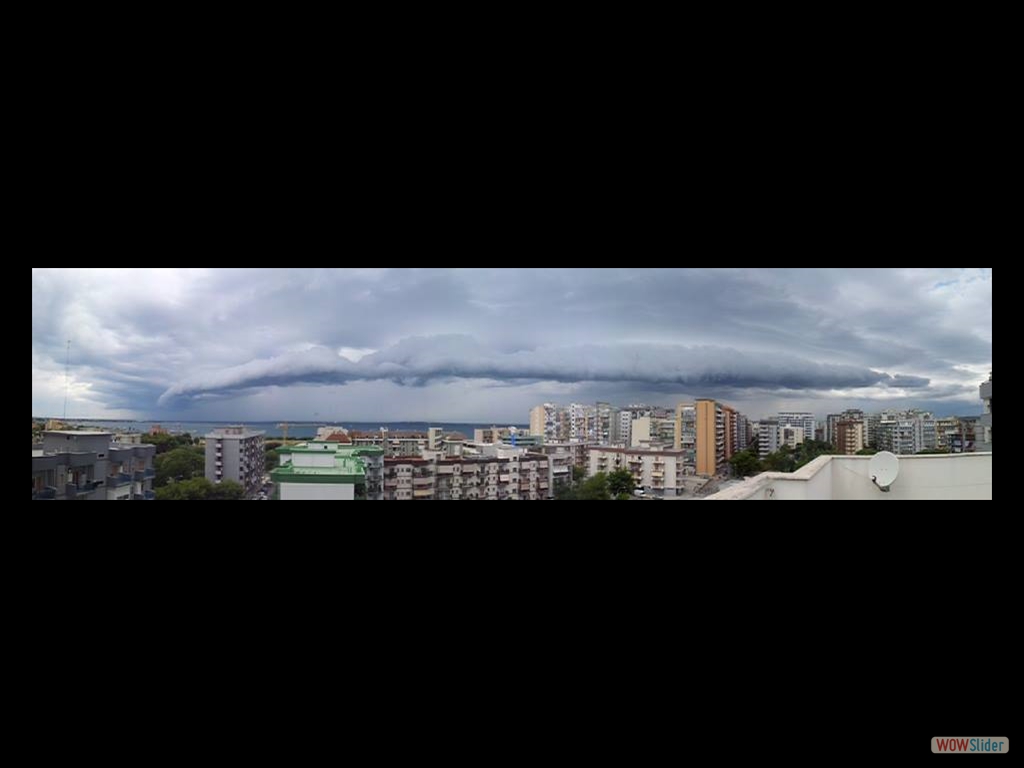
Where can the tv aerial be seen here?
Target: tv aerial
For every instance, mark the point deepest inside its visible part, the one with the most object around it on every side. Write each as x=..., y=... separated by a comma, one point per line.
x=884, y=469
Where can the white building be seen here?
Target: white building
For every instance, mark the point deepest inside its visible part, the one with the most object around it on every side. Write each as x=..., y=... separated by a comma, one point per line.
x=582, y=423
x=986, y=420
x=767, y=436
x=549, y=421
x=658, y=473
x=791, y=436
x=961, y=477
x=502, y=474
x=625, y=438
x=236, y=453
x=800, y=419
x=322, y=471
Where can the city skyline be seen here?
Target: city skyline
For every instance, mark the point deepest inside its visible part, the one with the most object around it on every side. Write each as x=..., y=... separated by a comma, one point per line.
x=487, y=345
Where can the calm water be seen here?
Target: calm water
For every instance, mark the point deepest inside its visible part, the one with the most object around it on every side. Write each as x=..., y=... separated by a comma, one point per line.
x=272, y=430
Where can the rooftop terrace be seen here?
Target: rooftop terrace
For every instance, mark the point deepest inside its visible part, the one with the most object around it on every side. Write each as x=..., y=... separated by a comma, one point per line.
x=958, y=477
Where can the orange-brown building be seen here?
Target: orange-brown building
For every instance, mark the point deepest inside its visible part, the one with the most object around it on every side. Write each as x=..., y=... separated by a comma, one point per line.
x=710, y=437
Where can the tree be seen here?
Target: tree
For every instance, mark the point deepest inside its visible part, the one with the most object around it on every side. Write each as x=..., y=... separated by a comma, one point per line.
x=867, y=452
x=621, y=482
x=780, y=461
x=168, y=443
x=579, y=474
x=746, y=464
x=201, y=489
x=624, y=497
x=197, y=489
x=595, y=489
x=566, y=492
x=179, y=464
x=228, y=490
x=809, y=450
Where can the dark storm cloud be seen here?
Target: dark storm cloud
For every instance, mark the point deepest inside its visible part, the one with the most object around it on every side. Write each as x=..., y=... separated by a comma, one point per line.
x=181, y=337
x=421, y=360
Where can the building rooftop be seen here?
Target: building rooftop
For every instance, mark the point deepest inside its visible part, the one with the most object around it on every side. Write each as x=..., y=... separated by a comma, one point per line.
x=75, y=433
x=324, y=446
x=234, y=433
x=946, y=477
x=344, y=472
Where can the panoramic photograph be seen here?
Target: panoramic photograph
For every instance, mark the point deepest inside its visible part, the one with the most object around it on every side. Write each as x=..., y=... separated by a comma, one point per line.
x=643, y=385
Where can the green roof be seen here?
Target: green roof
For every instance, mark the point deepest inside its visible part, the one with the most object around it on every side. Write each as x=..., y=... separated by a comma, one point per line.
x=346, y=471
x=340, y=449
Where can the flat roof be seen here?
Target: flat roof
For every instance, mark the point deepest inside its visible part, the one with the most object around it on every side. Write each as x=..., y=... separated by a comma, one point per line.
x=78, y=434
x=234, y=433
x=346, y=471
x=340, y=449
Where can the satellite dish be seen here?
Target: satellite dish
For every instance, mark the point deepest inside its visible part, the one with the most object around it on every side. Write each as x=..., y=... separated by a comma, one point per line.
x=884, y=469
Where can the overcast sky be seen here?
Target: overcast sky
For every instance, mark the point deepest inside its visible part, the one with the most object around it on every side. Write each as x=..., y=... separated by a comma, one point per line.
x=484, y=345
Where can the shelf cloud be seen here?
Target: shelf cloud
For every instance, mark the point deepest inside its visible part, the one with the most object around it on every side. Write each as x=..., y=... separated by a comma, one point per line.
x=482, y=344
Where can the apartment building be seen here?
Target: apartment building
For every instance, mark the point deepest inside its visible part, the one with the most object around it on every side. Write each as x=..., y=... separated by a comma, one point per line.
x=72, y=466
x=550, y=422
x=833, y=419
x=742, y=436
x=800, y=419
x=768, y=437
x=393, y=443
x=607, y=424
x=564, y=457
x=582, y=423
x=658, y=473
x=238, y=454
x=505, y=475
x=900, y=436
x=710, y=437
x=625, y=429
x=986, y=419
x=849, y=437
x=326, y=470
x=969, y=430
x=729, y=418
x=791, y=437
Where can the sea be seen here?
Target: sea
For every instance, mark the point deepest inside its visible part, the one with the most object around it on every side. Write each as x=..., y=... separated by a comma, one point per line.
x=274, y=430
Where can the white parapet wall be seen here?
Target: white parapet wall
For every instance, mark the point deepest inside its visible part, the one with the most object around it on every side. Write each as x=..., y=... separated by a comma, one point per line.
x=960, y=477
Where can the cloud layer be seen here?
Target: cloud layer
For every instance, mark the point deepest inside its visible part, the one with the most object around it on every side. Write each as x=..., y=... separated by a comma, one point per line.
x=379, y=343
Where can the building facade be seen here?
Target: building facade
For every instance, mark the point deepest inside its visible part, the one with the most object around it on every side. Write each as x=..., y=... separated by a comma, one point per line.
x=330, y=471
x=710, y=437
x=237, y=454
x=507, y=475
x=849, y=437
x=986, y=419
x=767, y=437
x=790, y=436
x=800, y=419
x=75, y=466
x=658, y=473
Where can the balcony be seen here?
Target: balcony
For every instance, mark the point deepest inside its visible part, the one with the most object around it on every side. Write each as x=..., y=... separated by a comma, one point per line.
x=146, y=496
x=72, y=491
x=46, y=494
x=141, y=475
x=420, y=482
x=116, y=481
x=956, y=477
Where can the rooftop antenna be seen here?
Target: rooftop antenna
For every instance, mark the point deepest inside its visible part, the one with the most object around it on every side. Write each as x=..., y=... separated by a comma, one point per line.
x=67, y=379
x=884, y=469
